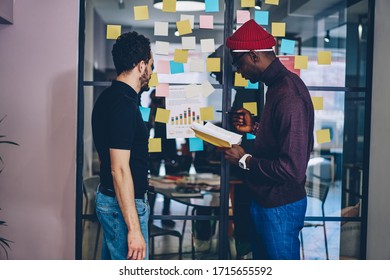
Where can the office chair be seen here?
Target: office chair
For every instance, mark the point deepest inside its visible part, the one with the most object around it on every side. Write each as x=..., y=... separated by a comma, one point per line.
x=90, y=185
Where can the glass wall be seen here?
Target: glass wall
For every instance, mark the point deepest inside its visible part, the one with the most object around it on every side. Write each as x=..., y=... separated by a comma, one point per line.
x=324, y=42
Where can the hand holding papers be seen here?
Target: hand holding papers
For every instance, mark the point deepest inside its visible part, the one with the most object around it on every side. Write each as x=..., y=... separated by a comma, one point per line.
x=215, y=135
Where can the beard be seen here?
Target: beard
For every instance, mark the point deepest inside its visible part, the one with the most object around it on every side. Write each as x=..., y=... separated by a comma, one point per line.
x=144, y=79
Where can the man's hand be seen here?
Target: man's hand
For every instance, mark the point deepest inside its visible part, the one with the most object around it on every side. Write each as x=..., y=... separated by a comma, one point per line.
x=243, y=122
x=136, y=244
x=234, y=154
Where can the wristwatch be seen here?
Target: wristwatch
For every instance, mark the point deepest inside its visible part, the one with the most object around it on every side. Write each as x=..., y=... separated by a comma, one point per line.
x=242, y=162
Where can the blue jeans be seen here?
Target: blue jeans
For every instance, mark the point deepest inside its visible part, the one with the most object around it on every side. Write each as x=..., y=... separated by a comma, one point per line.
x=114, y=246
x=276, y=231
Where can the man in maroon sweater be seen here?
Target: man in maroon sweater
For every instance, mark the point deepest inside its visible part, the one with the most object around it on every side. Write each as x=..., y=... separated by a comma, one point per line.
x=284, y=140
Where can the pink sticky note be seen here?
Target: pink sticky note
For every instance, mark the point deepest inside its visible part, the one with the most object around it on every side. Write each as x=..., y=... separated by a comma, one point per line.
x=162, y=90
x=163, y=67
x=206, y=22
x=243, y=16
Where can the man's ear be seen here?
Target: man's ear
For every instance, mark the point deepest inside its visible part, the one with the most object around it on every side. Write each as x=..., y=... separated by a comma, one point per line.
x=141, y=66
x=254, y=56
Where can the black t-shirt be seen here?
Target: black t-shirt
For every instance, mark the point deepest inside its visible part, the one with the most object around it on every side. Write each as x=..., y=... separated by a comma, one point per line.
x=117, y=123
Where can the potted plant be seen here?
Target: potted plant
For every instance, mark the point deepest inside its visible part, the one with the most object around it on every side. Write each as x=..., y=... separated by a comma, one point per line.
x=4, y=243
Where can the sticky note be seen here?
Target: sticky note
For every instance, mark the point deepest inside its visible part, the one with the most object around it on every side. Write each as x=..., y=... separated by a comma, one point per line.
x=154, y=145
x=184, y=27
x=251, y=107
x=162, y=90
x=252, y=86
x=247, y=3
x=207, y=88
x=239, y=81
x=188, y=43
x=191, y=18
x=169, y=6
x=206, y=22
x=279, y=29
x=211, y=6
x=176, y=67
x=272, y=2
x=153, y=80
x=197, y=65
x=301, y=61
x=145, y=112
x=287, y=46
x=162, y=48
x=250, y=136
x=207, y=45
x=213, y=64
x=162, y=115
x=323, y=136
x=324, y=57
x=196, y=145
x=207, y=113
x=180, y=56
x=161, y=28
x=318, y=102
x=163, y=67
x=192, y=91
x=141, y=12
x=242, y=16
x=262, y=17
x=113, y=31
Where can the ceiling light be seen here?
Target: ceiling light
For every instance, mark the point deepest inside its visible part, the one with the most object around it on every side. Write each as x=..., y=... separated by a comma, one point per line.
x=327, y=37
x=258, y=4
x=121, y=4
x=183, y=5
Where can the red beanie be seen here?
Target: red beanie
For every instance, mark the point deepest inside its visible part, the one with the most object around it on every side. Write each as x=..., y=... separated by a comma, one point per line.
x=250, y=36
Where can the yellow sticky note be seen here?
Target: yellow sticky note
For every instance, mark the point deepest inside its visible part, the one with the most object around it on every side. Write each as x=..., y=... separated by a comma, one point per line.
x=279, y=29
x=162, y=115
x=154, y=145
x=318, y=102
x=301, y=61
x=247, y=3
x=141, y=12
x=153, y=80
x=180, y=56
x=239, y=81
x=272, y=2
x=113, y=31
x=323, y=136
x=184, y=27
x=251, y=107
x=324, y=57
x=207, y=113
x=213, y=64
x=169, y=6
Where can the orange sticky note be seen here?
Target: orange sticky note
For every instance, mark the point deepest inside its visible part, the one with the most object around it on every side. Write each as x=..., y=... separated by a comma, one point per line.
x=141, y=12
x=153, y=80
x=213, y=64
x=324, y=57
x=239, y=81
x=279, y=29
x=251, y=107
x=180, y=56
x=318, y=102
x=272, y=2
x=207, y=113
x=323, y=136
x=169, y=6
x=162, y=115
x=113, y=31
x=154, y=145
x=247, y=3
x=184, y=27
x=301, y=61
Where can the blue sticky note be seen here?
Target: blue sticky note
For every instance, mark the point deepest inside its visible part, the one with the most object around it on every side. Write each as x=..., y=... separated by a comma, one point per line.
x=250, y=136
x=262, y=17
x=252, y=86
x=196, y=144
x=176, y=67
x=287, y=46
x=145, y=112
x=212, y=5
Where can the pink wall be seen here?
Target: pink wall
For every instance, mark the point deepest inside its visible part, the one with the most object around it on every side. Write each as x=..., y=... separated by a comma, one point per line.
x=38, y=90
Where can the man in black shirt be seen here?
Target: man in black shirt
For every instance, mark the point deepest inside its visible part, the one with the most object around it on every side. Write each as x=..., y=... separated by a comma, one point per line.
x=121, y=139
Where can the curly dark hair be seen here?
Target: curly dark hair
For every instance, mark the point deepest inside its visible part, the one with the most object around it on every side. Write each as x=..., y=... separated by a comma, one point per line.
x=129, y=49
